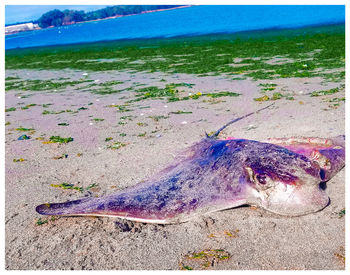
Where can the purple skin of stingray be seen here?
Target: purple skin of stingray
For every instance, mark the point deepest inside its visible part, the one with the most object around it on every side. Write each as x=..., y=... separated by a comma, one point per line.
x=218, y=174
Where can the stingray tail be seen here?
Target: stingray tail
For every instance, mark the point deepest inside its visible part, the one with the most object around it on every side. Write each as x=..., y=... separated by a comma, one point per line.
x=213, y=136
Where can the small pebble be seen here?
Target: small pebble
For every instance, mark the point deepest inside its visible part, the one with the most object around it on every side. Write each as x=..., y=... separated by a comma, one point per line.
x=251, y=126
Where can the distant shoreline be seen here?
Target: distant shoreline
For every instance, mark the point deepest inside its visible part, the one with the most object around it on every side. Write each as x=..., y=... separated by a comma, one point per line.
x=107, y=18
x=117, y=16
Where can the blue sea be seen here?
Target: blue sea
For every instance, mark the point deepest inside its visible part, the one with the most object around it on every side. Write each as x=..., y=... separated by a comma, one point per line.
x=191, y=21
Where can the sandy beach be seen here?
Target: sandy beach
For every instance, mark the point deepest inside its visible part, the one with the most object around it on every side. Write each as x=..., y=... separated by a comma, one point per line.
x=116, y=147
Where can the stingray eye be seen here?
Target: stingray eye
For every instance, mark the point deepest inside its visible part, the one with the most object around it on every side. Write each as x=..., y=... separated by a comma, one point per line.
x=261, y=178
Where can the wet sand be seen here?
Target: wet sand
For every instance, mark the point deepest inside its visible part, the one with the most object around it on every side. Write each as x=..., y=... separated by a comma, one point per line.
x=244, y=237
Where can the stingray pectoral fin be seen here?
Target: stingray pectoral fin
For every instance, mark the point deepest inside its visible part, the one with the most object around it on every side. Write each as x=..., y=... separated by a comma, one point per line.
x=85, y=206
x=108, y=206
x=328, y=153
x=64, y=208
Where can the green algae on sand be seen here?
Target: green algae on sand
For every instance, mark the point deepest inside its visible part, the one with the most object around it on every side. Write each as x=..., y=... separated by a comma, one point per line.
x=58, y=139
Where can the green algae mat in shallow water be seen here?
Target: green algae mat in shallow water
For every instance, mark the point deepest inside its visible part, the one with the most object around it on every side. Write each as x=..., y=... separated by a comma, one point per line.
x=310, y=52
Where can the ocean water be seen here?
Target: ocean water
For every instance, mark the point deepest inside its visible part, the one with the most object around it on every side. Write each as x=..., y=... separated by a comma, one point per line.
x=191, y=21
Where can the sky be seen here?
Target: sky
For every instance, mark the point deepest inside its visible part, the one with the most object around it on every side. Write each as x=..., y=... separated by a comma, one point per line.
x=25, y=13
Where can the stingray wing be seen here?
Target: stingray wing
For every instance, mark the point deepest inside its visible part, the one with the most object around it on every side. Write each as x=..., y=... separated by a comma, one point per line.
x=329, y=154
x=207, y=180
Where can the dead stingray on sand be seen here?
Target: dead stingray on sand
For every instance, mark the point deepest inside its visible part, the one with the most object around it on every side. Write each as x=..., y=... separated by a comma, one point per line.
x=280, y=175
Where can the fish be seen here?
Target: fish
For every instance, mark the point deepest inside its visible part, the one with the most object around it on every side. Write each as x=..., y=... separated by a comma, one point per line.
x=281, y=175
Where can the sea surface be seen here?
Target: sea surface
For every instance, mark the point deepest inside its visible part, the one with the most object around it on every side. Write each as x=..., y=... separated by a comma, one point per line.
x=191, y=21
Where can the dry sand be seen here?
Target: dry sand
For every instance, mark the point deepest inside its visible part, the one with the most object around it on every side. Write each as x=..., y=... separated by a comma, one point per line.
x=252, y=238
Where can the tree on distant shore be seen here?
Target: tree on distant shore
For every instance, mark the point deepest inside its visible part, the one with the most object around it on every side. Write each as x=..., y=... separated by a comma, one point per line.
x=51, y=18
x=58, y=18
x=72, y=16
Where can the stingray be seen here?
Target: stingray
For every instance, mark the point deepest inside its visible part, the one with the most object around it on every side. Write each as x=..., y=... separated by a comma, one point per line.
x=281, y=175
